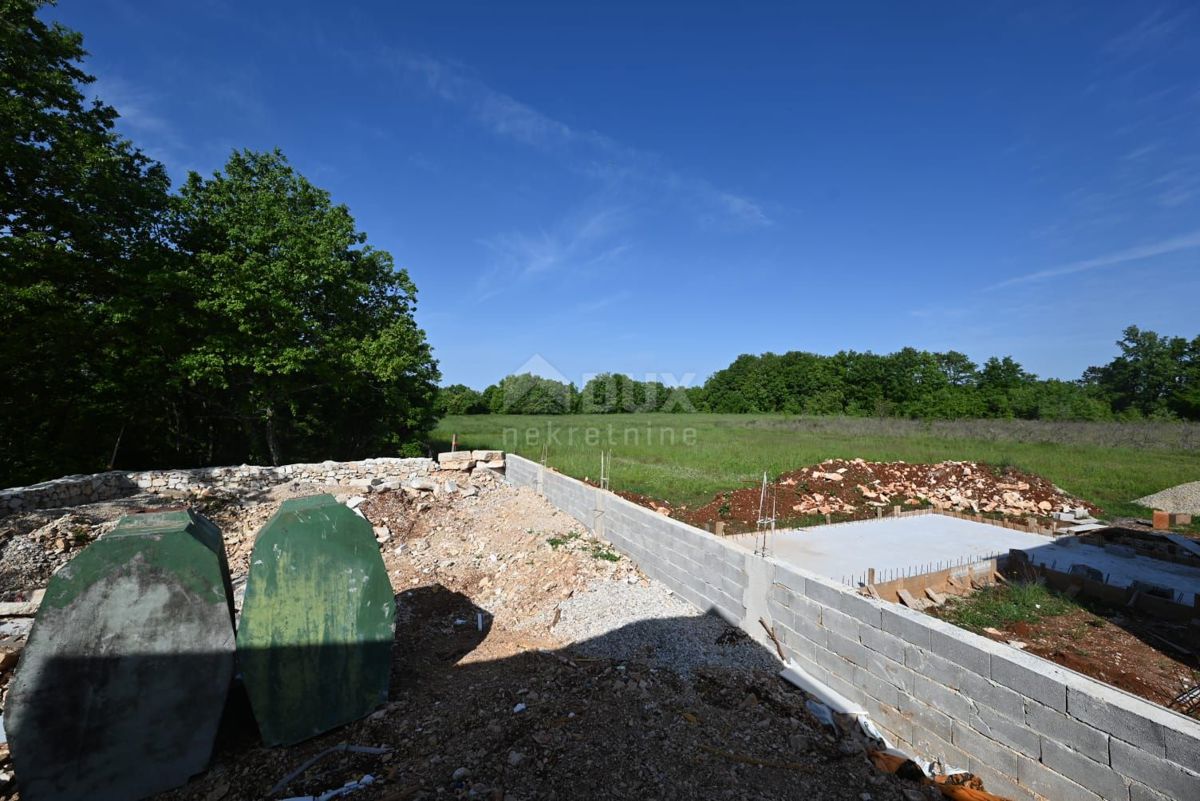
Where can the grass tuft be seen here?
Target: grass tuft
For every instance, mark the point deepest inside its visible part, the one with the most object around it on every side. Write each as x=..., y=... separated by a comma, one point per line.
x=1001, y=606
x=557, y=542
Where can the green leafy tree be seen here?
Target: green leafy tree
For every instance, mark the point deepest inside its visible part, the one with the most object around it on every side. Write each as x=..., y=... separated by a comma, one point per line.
x=959, y=370
x=81, y=221
x=531, y=394
x=301, y=342
x=1154, y=376
x=459, y=399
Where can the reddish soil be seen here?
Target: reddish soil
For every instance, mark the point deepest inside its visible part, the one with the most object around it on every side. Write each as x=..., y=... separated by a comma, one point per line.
x=857, y=489
x=1122, y=651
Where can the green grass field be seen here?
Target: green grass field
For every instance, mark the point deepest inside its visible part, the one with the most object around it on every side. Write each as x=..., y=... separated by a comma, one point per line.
x=685, y=459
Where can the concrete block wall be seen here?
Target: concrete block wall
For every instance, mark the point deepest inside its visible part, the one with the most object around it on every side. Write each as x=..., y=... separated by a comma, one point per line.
x=1029, y=728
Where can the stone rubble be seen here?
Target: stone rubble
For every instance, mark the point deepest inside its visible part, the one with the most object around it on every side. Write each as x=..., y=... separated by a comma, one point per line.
x=367, y=475
x=856, y=488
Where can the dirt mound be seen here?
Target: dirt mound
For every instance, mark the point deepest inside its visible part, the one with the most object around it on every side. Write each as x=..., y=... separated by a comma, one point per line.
x=857, y=489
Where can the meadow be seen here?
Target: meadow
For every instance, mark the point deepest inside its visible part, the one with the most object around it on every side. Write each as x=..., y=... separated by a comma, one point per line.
x=687, y=458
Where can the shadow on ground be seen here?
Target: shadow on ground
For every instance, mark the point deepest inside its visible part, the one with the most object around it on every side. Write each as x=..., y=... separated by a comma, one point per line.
x=565, y=723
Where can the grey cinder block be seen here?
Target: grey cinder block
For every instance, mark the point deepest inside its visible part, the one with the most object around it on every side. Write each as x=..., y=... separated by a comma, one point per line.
x=825, y=593
x=877, y=687
x=892, y=672
x=851, y=650
x=942, y=698
x=867, y=610
x=984, y=750
x=1183, y=748
x=1014, y=734
x=939, y=670
x=1110, y=710
x=1030, y=676
x=1098, y=778
x=1066, y=730
x=1174, y=780
x=953, y=645
x=883, y=643
x=1046, y=782
x=840, y=624
x=987, y=693
x=907, y=625
x=926, y=717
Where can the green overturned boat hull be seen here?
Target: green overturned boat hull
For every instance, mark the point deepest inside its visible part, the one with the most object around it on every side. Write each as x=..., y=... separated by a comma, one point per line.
x=121, y=686
x=315, y=637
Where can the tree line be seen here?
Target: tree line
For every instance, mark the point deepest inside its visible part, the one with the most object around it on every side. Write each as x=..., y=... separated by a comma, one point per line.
x=1153, y=377
x=242, y=318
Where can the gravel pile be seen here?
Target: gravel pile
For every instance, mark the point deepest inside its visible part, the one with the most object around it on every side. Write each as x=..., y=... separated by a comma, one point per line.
x=1183, y=499
x=645, y=621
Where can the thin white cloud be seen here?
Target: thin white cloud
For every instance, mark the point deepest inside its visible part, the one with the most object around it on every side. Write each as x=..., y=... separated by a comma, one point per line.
x=1187, y=241
x=587, y=152
x=578, y=243
x=595, y=305
x=1150, y=33
x=139, y=119
x=134, y=105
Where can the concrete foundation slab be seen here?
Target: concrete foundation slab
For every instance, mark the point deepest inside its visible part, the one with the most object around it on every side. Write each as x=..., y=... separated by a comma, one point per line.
x=1120, y=570
x=844, y=550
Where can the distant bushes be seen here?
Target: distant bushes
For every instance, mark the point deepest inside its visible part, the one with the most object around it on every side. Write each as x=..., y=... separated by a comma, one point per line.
x=1154, y=378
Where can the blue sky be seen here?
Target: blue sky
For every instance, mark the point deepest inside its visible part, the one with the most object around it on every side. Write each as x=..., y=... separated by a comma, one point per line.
x=647, y=189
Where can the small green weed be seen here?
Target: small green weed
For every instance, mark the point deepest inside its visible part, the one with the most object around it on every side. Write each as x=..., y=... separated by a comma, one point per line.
x=601, y=551
x=557, y=542
x=997, y=607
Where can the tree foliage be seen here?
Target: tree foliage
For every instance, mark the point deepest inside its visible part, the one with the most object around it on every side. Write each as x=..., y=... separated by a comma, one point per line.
x=459, y=399
x=1155, y=376
x=302, y=340
x=244, y=319
x=82, y=215
x=530, y=394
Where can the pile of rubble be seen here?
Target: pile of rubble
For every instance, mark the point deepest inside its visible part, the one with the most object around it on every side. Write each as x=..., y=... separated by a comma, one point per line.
x=467, y=460
x=505, y=548
x=857, y=488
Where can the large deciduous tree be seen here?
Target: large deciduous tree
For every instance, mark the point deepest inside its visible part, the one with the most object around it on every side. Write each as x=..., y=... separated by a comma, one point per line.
x=81, y=213
x=1154, y=376
x=302, y=339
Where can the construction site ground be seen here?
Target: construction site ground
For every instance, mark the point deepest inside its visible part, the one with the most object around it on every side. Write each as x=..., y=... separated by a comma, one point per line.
x=1125, y=648
x=1151, y=658
x=531, y=661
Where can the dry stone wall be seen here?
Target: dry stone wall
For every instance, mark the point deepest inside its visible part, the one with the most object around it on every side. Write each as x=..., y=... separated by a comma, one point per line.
x=383, y=473
x=1029, y=728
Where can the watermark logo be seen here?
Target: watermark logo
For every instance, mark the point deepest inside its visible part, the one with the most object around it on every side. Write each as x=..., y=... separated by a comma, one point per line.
x=538, y=387
x=569, y=435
